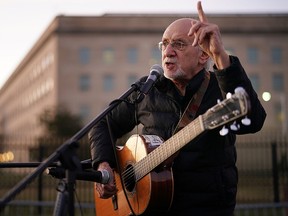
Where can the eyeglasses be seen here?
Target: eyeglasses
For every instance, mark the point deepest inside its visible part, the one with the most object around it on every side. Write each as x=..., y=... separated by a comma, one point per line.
x=179, y=45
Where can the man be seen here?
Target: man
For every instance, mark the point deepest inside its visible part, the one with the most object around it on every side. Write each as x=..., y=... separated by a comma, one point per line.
x=204, y=171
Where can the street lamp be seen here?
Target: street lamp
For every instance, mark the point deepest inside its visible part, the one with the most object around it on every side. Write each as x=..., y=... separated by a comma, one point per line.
x=266, y=96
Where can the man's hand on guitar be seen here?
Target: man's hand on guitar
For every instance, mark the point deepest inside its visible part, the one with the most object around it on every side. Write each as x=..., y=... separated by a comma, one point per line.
x=106, y=190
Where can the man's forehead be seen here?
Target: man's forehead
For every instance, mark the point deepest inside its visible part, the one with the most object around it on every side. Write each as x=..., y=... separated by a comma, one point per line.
x=178, y=29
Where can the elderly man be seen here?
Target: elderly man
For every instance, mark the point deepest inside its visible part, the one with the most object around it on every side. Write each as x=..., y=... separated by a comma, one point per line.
x=204, y=171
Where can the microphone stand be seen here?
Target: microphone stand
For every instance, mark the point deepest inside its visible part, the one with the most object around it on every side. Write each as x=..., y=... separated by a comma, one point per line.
x=67, y=156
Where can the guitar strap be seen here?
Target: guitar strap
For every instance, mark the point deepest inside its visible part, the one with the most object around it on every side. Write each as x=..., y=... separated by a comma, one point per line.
x=191, y=109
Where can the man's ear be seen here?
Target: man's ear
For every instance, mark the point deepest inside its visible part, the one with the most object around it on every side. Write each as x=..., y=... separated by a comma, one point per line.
x=203, y=57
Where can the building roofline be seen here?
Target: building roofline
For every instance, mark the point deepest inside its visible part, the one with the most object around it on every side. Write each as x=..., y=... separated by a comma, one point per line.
x=128, y=23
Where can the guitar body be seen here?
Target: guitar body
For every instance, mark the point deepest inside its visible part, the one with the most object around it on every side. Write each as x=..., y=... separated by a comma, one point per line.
x=153, y=192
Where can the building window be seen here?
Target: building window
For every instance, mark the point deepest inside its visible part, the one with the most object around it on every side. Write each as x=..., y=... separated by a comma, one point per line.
x=230, y=51
x=108, y=55
x=108, y=82
x=278, y=112
x=155, y=56
x=84, y=55
x=276, y=55
x=84, y=113
x=84, y=82
x=131, y=79
x=132, y=55
x=254, y=78
x=278, y=82
x=252, y=55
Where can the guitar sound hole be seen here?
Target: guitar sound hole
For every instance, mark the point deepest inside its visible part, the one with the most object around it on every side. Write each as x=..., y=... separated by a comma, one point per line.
x=129, y=178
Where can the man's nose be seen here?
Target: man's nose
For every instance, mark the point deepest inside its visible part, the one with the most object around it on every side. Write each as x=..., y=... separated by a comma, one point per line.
x=169, y=50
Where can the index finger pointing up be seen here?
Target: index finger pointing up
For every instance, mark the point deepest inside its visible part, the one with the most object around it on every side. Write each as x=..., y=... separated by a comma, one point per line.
x=201, y=14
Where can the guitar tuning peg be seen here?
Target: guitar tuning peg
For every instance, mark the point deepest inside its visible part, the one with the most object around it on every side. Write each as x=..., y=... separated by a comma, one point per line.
x=239, y=90
x=234, y=126
x=218, y=101
x=224, y=131
x=228, y=95
x=246, y=121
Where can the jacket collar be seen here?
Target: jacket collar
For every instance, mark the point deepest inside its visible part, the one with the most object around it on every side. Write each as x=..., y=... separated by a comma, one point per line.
x=166, y=85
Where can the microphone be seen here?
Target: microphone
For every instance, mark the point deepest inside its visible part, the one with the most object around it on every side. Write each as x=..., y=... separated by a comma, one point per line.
x=102, y=176
x=155, y=72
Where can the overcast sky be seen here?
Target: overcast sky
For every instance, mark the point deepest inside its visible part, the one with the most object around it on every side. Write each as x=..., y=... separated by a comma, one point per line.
x=23, y=21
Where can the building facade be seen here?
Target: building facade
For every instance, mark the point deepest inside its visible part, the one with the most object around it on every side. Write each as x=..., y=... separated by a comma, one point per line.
x=84, y=63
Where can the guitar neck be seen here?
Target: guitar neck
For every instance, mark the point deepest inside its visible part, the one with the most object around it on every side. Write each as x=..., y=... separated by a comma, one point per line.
x=168, y=148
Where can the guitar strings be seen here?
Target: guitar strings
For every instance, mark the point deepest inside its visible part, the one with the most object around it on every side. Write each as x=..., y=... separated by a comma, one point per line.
x=130, y=176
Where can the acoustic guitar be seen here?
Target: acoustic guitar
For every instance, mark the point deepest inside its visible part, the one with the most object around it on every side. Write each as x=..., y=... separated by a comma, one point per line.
x=144, y=181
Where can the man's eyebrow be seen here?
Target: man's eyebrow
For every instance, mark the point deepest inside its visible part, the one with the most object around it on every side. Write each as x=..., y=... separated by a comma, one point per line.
x=180, y=40
x=175, y=40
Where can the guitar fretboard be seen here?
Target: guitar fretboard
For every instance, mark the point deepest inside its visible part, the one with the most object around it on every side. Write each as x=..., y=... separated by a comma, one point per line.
x=168, y=148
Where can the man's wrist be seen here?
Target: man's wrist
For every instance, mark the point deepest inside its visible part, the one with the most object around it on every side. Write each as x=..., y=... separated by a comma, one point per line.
x=222, y=60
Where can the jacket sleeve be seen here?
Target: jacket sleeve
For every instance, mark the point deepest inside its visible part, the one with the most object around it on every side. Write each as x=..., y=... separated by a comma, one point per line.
x=235, y=76
x=104, y=134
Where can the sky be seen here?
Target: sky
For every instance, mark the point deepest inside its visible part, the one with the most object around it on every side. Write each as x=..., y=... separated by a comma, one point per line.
x=22, y=22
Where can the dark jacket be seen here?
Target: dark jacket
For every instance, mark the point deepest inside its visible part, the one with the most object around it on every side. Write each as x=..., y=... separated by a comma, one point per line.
x=205, y=175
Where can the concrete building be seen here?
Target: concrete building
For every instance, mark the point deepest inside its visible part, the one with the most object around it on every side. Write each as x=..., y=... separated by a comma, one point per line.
x=83, y=63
